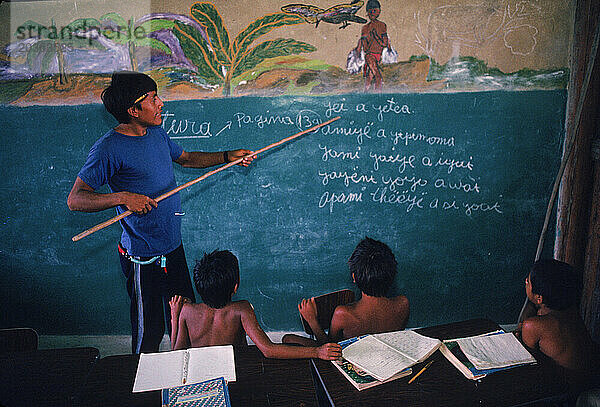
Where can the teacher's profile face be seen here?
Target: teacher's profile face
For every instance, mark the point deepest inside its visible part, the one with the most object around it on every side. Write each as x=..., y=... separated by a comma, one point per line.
x=151, y=110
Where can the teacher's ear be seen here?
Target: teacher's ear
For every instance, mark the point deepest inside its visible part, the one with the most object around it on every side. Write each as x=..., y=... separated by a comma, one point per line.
x=133, y=111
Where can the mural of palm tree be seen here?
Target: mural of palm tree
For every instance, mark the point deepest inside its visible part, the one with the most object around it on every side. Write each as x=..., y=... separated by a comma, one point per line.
x=218, y=61
x=51, y=42
x=132, y=34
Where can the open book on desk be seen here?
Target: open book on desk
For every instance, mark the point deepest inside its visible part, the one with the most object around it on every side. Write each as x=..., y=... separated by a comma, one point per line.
x=359, y=378
x=386, y=354
x=171, y=369
x=477, y=356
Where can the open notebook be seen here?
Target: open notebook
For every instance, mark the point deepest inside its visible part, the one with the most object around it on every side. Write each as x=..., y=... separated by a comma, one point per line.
x=384, y=355
x=477, y=356
x=171, y=369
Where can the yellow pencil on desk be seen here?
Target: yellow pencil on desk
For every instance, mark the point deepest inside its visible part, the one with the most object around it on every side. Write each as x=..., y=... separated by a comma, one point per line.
x=420, y=371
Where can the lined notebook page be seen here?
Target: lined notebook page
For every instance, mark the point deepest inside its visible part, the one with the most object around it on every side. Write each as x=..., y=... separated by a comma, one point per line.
x=494, y=351
x=413, y=345
x=378, y=359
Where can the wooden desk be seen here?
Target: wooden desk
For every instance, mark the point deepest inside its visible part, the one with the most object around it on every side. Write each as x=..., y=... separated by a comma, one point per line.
x=443, y=385
x=260, y=382
x=49, y=377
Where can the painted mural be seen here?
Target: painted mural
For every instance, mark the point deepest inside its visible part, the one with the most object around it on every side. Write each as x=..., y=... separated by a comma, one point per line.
x=214, y=50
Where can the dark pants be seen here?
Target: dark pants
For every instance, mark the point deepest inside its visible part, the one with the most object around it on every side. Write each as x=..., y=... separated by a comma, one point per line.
x=150, y=288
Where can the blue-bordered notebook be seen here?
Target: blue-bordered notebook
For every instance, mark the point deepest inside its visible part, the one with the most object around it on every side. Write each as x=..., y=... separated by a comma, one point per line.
x=211, y=393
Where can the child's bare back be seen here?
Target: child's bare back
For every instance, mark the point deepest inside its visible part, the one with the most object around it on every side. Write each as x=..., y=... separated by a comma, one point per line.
x=220, y=321
x=208, y=326
x=369, y=315
x=562, y=336
x=373, y=269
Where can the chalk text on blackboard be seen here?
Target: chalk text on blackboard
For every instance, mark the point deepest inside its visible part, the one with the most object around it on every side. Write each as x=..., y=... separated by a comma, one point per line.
x=346, y=178
x=402, y=160
x=331, y=198
x=382, y=195
x=343, y=155
x=391, y=107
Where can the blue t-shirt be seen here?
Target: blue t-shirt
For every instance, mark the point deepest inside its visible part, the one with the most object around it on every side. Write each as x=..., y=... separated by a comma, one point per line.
x=144, y=165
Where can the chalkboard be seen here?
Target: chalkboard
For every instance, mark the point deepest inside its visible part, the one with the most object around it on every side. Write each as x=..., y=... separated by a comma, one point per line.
x=456, y=184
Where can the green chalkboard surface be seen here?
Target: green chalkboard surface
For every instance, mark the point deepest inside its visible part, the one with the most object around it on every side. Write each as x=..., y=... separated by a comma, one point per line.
x=456, y=184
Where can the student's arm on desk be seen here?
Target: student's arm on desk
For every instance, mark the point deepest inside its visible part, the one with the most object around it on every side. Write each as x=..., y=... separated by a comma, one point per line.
x=328, y=351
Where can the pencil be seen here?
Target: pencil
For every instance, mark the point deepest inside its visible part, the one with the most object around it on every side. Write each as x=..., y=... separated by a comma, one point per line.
x=420, y=371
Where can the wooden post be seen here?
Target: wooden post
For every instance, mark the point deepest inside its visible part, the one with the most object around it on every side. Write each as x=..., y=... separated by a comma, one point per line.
x=590, y=297
x=577, y=220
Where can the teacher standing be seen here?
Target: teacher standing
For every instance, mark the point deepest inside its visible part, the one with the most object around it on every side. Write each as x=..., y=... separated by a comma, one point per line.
x=136, y=160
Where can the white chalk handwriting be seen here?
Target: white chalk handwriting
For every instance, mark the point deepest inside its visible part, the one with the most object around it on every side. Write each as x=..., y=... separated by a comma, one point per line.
x=330, y=153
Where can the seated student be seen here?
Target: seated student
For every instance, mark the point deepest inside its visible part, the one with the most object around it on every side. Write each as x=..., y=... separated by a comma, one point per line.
x=219, y=321
x=557, y=330
x=373, y=269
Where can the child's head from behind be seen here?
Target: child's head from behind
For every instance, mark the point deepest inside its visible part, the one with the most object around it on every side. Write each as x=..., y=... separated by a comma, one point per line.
x=216, y=277
x=556, y=283
x=373, y=267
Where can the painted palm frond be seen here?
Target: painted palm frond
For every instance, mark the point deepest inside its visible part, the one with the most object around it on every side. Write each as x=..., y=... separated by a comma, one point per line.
x=218, y=60
x=261, y=27
x=43, y=53
x=207, y=15
x=270, y=49
x=198, y=52
x=156, y=25
x=153, y=43
x=115, y=18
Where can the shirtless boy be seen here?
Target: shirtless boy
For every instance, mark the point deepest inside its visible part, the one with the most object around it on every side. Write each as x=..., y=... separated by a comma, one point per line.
x=373, y=39
x=373, y=269
x=220, y=321
x=557, y=330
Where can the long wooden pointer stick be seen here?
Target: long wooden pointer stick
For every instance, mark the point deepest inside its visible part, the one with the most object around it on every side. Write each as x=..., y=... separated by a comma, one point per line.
x=194, y=181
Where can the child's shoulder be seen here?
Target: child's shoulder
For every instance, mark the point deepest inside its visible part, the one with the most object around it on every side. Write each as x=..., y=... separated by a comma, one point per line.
x=400, y=299
x=539, y=324
x=240, y=305
x=193, y=308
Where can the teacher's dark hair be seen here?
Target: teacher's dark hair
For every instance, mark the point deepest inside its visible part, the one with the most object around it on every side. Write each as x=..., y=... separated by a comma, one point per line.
x=124, y=89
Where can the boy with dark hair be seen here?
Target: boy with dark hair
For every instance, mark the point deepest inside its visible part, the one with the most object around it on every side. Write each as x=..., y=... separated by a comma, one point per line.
x=136, y=160
x=557, y=330
x=219, y=321
x=373, y=269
